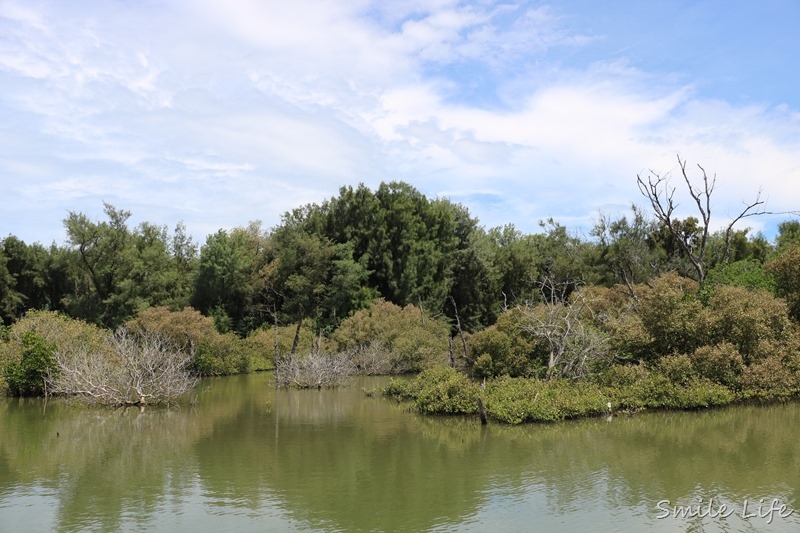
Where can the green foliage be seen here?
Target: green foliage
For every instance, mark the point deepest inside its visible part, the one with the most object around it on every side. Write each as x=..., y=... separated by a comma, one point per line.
x=414, y=341
x=657, y=391
x=788, y=234
x=514, y=259
x=743, y=318
x=405, y=241
x=517, y=400
x=260, y=344
x=23, y=355
x=476, y=280
x=673, y=383
x=228, y=276
x=220, y=356
x=613, y=311
x=671, y=316
x=621, y=375
x=10, y=299
x=190, y=331
x=222, y=322
x=119, y=272
x=347, y=290
x=446, y=391
x=563, y=261
x=54, y=328
x=26, y=377
x=438, y=390
x=770, y=379
x=625, y=249
x=185, y=328
x=721, y=363
x=785, y=269
x=483, y=366
x=746, y=273
x=677, y=368
x=25, y=279
x=511, y=349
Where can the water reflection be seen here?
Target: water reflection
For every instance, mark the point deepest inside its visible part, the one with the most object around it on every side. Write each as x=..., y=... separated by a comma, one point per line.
x=250, y=457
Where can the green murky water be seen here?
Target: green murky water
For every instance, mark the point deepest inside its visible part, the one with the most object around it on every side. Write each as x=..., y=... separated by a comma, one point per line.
x=248, y=457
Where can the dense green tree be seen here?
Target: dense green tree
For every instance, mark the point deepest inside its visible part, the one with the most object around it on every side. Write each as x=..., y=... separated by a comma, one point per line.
x=563, y=260
x=185, y=258
x=476, y=289
x=748, y=273
x=626, y=251
x=26, y=377
x=31, y=277
x=785, y=269
x=10, y=299
x=121, y=271
x=27, y=264
x=103, y=259
x=347, y=289
x=406, y=242
x=411, y=247
x=788, y=234
x=515, y=261
x=301, y=271
x=229, y=274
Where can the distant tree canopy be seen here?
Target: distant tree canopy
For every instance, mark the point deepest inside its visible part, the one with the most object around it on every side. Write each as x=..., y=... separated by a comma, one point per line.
x=324, y=262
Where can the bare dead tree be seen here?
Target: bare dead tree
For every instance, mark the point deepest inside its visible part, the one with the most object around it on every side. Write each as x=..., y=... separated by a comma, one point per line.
x=135, y=369
x=656, y=188
x=572, y=345
x=314, y=370
x=460, y=331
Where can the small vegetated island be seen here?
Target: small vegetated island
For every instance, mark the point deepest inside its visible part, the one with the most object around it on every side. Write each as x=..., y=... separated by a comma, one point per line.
x=648, y=311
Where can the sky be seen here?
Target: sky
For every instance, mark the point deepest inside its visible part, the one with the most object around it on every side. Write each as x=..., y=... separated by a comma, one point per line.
x=217, y=113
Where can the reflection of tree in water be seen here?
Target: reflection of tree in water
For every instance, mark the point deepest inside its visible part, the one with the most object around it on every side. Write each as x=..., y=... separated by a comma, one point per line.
x=102, y=464
x=633, y=461
x=337, y=460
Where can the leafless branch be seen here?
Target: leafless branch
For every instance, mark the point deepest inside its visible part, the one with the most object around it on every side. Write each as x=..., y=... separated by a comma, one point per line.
x=314, y=370
x=572, y=345
x=135, y=369
x=661, y=197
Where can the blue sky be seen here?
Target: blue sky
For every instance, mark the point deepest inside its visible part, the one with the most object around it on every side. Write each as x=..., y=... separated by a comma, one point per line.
x=218, y=113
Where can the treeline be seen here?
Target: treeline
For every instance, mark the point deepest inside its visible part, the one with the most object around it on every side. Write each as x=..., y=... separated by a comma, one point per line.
x=644, y=311
x=324, y=262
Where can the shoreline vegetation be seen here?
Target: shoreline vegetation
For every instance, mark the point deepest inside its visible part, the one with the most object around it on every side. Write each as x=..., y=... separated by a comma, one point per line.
x=645, y=313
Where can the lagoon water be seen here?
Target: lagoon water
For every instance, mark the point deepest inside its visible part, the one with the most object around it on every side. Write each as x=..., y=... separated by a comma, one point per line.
x=247, y=457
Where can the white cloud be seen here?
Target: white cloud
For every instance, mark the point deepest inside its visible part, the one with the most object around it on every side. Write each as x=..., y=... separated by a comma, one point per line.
x=221, y=113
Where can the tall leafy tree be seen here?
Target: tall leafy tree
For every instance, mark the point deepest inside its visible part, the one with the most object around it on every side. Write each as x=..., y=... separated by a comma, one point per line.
x=103, y=259
x=229, y=277
x=516, y=260
x=405, y=241
x=119, y=272
x=184, y=257
x=27, y=264
x=411, y=247
x=785, y=270
x=788, y=234
x=10, y=299
x=347, y=290
x=626, y=250
x=300, y=272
